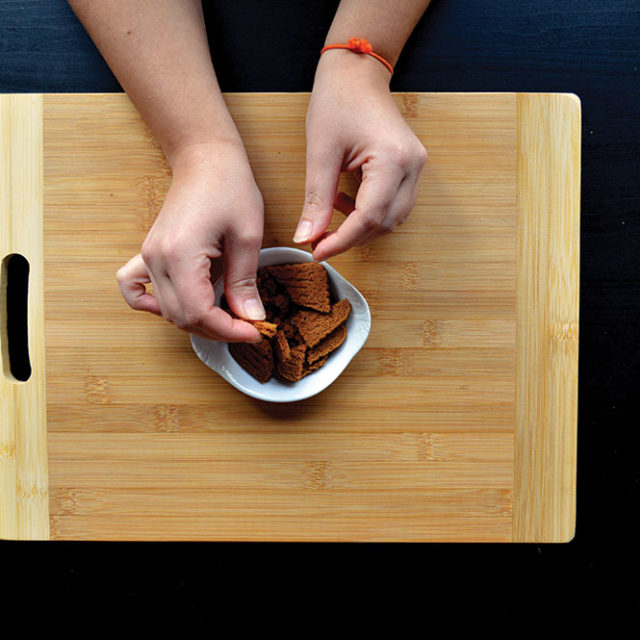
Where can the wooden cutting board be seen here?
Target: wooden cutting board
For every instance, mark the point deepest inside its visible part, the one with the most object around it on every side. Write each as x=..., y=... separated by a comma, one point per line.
x=457, y=420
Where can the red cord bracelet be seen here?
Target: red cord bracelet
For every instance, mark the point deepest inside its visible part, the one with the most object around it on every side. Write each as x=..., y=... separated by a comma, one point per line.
x=359, y=45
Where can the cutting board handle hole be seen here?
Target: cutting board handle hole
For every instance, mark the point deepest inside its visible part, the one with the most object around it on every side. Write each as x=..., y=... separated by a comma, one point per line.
x=14, y=279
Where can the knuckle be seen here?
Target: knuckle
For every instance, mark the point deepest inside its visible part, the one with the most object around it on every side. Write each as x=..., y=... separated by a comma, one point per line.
x=248, y=240
x=406, y=154
x=192, y=320
x=312, y=199
x=371, y=223
x=182, y=324
x=387, y=226
x=147, y=252
x=150, y=251
x=420, y=155
x=166, y=249
x=398, y=153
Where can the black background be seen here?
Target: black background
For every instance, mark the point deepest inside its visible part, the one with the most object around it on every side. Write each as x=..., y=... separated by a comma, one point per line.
x=588, y=47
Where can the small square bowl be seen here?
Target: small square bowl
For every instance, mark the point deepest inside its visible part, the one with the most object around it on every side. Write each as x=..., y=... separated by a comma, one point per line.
x=217, y=357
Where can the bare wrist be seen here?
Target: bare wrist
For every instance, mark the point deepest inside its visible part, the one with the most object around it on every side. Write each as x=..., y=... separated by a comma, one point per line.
x=191, y=156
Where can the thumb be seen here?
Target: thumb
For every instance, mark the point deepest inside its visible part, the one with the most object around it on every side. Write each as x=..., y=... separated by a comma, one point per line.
x=240, y=267
x=321, y=186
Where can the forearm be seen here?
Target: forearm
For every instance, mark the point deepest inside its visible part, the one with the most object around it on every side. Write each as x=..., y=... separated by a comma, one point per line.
x=159, y=52
x=386, y=25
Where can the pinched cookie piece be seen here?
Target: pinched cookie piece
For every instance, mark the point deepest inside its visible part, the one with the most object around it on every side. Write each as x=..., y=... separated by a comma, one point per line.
x=267, y=329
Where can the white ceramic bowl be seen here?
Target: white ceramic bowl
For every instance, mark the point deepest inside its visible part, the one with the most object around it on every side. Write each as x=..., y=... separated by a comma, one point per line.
x=217, y=357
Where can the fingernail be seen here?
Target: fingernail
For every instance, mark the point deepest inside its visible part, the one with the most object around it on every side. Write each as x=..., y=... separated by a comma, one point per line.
x=254, y=310
x=303, y=232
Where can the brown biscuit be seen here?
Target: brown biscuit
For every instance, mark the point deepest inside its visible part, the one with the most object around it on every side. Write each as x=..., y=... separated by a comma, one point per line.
x=281, y=347
x=306, y=283
x=310, y=368
x=301, y=327
x=257, y=359
x=291, y=369
x=267, y=287
x=281, y=304
x=267, y=329
x=314, y=326
x=329, y=344
x=289, y=330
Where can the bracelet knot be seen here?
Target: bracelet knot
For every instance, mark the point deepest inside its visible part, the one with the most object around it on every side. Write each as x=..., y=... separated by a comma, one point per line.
x=360, y=45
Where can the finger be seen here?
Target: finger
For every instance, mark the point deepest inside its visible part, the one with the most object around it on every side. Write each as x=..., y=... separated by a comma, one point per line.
x=132, y=278
x=195, y=309
x=241, y=253
x=163, y=287
x=343, y=203
x=321, y=185
x=404, y=201
x=397, y=213
x=373, y=201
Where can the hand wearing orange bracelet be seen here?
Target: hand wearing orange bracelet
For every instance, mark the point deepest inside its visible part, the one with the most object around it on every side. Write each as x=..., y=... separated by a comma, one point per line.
x=354, y=125
x=366, y=135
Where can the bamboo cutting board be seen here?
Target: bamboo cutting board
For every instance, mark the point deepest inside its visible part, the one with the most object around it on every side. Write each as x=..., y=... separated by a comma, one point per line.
x=457, y=420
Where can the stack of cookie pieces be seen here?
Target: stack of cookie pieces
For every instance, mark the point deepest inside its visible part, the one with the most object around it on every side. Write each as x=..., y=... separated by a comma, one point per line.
x=302, y=326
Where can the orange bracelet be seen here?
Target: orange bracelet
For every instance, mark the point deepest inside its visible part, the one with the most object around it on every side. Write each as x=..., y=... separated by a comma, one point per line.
x=359, y=45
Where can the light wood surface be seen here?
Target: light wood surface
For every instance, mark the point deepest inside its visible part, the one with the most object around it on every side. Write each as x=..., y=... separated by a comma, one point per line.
x=24, y=496
x=427, y=434
x=547, y=317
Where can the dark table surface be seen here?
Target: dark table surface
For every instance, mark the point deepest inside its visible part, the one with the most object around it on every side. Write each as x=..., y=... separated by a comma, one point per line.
x=588, y=47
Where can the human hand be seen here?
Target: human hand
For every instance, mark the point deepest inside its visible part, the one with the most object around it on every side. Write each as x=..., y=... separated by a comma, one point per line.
x=213, y=212
x=353, y=124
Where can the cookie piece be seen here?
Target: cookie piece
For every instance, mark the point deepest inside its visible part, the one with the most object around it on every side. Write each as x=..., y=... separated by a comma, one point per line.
x=289, y=330
x=257, y=359
x=267, y=286
x=314, y=326
x=310, y=368
x=291, y=369
x=267, y=329
x=281, y=347
x=329, y=344
x=307, y=283
x=281, y=304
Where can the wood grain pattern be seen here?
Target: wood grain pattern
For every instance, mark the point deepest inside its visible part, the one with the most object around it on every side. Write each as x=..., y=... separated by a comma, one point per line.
x=395, y=450
x=24, y=497
x=416, y=439
x=548, y=314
